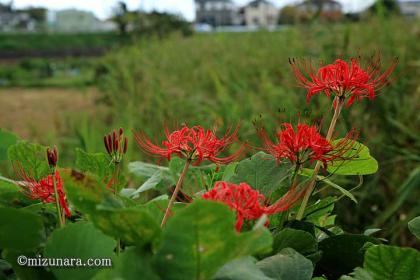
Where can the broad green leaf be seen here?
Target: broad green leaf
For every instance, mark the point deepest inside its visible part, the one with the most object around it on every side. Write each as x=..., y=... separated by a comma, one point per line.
x=143, y=169
x=229, y=171
x=371, y=231
x=201, y=238
x=414, y=226
x=244, y=268
x=342, y=253
x=133, y=224
x=358, y=161
x=149, y=184
x=319, y=213
x=358, y=274
x=261, y=172
x=20, y=230
x=32, y=158
x=392, y=263
x=98, y=163
x=11, y=195
x=131, y=264
x=81, y=240
x=7, y=139
x=287, y=264
x=299, y=240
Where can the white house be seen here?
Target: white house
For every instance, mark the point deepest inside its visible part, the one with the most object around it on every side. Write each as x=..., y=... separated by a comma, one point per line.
x=410, y=8
x=260, y=13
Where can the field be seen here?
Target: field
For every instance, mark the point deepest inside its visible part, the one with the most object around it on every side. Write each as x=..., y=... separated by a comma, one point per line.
x=224, y=80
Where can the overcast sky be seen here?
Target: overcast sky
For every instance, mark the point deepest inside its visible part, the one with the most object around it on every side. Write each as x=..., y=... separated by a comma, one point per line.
x=103, y=8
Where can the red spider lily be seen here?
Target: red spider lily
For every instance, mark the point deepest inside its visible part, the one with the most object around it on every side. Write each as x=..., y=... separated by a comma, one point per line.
x=195, y=144
x=247, y=202
x=116, y=145
x=43, y=189
x=305, y=144
x=343, y=79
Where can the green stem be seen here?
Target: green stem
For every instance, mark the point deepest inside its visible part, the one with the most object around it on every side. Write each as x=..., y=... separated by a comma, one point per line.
x=57, y=202
x=175, y=193
x=340, y=102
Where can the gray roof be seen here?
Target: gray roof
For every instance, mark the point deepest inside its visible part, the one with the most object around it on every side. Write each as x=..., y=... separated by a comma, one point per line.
x=256, y=3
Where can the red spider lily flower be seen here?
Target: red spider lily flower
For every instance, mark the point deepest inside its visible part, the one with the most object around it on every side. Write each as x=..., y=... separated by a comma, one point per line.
x=247, y=202
x=305, y=144
x=116, y=145
x=43, y=189
x=343, y=79
x=195, y=144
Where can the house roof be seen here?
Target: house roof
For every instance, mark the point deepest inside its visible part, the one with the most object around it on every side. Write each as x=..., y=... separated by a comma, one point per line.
x=256, y=3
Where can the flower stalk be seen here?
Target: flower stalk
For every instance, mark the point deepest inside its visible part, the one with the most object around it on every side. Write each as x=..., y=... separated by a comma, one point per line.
x=339, y=101
x=176, y=191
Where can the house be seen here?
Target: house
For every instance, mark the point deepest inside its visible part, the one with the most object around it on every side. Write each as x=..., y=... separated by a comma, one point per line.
x=73, y=20
x=260, y=13
x=326, y=9
x=18, y=20
x=215, y=12
x=410, y=8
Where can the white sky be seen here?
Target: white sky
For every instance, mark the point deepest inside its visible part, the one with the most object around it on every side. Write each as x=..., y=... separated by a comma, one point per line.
x=103, y=8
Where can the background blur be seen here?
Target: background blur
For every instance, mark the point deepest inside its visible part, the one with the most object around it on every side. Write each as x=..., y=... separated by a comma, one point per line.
x=70, y=71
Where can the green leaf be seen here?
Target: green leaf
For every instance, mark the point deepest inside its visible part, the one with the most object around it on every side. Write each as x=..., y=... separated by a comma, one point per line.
x=96, y=163
x=131, y=264
x=134, y=225
x=392, y=263
x=229, y=171
x=358, y=161
x=320, y=212
x=20, y=230
x=244, y=268
x=149, y=184
x=201, y=238
x=7, y=139
x=414, y=226
x=81, y=240
x=358, y=274
x=12, y=195
x=143, y=169
x=288, y=264
x=299, y=240
x=261, y=172
x=342, y=253
x=32, y=158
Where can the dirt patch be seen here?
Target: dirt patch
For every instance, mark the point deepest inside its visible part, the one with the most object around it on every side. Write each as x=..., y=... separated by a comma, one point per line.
x=39, y=113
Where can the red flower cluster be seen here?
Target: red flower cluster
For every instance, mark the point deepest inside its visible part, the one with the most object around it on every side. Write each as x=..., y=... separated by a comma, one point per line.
x=343, y=79
x=247, y=202
x=195, y=144
x=44, y=190
x=298, y=146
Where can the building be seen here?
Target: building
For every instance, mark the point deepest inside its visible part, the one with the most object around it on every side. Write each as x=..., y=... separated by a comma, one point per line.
x=410, y=8
x=72, y=20
x=260, y=13
x=216, y=12
x=19, y=20
x=325, y=9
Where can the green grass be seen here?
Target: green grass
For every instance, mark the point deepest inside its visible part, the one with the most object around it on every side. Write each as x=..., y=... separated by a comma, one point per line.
x=56, y=41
